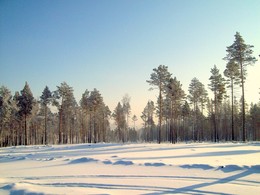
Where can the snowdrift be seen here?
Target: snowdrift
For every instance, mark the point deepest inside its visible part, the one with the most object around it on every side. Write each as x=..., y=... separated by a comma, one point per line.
x=198, y=168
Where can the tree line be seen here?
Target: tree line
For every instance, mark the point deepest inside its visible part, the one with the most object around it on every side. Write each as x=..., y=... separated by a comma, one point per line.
x=181, y=117
x=25, y=120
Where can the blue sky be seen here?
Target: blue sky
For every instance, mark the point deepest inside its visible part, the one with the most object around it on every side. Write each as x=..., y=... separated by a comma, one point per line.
x=114, y=45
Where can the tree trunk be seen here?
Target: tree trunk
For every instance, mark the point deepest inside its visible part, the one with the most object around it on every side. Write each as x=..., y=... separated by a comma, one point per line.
x=104, y=128
x=243, y=104
x=215, y=120
x=160, y=116
x=25, y=130
x=45, y=124
x=94, y=125
x=60, y=126
x=232, y=112
x=90, y=129
x=172, y=133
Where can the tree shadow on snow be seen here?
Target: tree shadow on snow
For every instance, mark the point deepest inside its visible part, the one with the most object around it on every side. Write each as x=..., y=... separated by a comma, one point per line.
x=194, y=189
x=204, y=154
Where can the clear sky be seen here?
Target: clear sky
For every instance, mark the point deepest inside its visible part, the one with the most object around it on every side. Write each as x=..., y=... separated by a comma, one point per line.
x=114, y=45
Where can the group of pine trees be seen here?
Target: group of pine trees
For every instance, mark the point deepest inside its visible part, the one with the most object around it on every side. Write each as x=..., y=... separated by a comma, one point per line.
x=181, y=117
x=226, y=117
x=25, y=120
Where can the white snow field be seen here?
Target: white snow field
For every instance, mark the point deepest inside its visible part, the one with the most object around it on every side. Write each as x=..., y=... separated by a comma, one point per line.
x=195, y=168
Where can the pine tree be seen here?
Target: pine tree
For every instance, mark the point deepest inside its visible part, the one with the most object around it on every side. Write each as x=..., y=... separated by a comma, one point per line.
x=217, y=86
x=232, y=73
x=97, y=116
x=45, y=99
x=176, y=95
x=255, y=121
x=147, y=117
x=65, y=102
x=120, y=121
x=96, y=102
x=85, y=105
x=202, y=100
x=16, y=119
x=25, y=103
x=159, y=79
x=127, y=111
x=185, y=112
x=144, y=117
x=105, y=113
x=197, y=96
x=241, y=53
x=5, y=117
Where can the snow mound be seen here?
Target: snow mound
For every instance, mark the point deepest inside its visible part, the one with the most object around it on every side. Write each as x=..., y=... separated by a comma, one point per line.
x=231, y=168
x=255, y=168
x=20, y=189
x=123, y=162
x=154, y=164
x=9, y=158
x=83, y=160
x=197, y=166
x=107, y=162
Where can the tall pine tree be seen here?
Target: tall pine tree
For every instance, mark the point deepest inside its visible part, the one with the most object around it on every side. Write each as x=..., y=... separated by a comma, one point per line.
x=45, y=100
x=217, y=86
x=241, y=53
x=25, y=103
x=232, y=73
x=159, y=79
x=176, y=95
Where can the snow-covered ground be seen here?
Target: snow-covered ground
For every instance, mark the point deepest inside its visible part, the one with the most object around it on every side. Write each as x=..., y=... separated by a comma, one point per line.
x=197, y=168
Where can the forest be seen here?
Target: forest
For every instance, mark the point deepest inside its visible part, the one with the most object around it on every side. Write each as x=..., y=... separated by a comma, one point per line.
x=175, y=117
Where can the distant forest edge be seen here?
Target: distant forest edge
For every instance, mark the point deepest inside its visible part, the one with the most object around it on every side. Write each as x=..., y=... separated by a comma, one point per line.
x=181, y=117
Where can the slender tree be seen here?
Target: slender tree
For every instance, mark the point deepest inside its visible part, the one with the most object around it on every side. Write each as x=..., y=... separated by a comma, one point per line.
x=16, y=119
x=185, y=114
x=134, y=119
x=202, y=101
x=176, y=95
x=159, y=79
x=120, y=121
x=6, y=137
x=144, y=117
x=232, y=74
x=45, y=100
x=197, y=96
x=217, y=86
x=96, y=103
x=25, y=103
x=85, y=105
x=241, y=53
x=65, y=102
x=105, y=114
x=127, y=111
